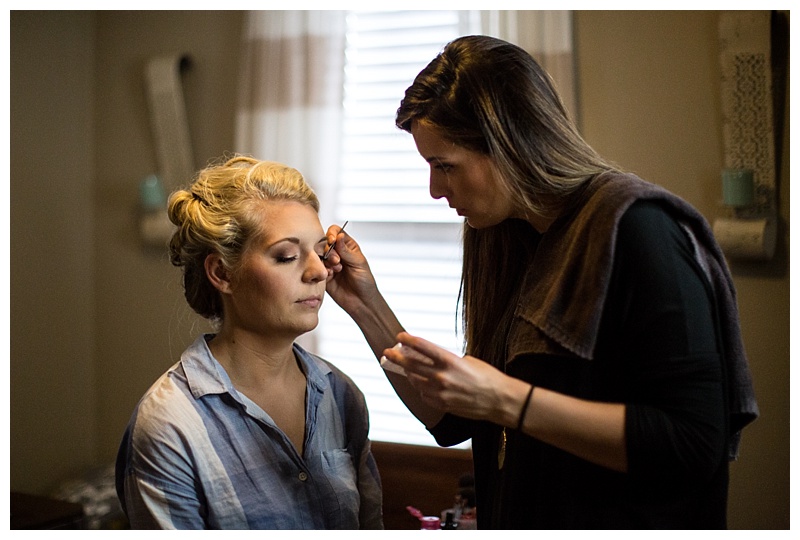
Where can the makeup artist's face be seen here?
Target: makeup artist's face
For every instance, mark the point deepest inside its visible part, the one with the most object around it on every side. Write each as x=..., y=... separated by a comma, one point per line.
x=464, y=177
x=280, y=284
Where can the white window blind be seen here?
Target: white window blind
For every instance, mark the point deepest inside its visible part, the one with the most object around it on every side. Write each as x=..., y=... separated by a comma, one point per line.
x=411, y=240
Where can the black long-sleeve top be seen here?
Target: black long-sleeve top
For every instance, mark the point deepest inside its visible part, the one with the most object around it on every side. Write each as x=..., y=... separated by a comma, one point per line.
x=657, y=352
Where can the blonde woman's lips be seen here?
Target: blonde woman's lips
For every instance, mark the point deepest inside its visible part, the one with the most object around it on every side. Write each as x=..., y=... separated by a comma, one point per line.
x=311, y=301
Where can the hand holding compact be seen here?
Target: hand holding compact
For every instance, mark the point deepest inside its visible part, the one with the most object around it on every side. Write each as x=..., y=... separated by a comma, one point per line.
x=464, y=385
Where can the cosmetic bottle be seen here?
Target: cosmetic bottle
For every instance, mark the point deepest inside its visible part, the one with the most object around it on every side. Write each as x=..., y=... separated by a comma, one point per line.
x=450, y=523
x=430, y=523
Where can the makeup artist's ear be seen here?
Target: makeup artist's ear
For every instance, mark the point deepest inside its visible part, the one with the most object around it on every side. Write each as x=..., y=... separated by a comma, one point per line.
x=217, y=274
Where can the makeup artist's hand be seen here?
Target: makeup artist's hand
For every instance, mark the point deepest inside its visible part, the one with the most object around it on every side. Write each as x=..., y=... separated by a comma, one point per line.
x=351, y=283
x=465, y=386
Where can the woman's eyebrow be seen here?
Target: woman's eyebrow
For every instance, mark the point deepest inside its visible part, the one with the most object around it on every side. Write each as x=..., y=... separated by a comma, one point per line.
x=290, y=239
x=295, y=240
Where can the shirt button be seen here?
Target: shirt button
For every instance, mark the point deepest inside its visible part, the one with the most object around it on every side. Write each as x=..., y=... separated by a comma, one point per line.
x=302, y=476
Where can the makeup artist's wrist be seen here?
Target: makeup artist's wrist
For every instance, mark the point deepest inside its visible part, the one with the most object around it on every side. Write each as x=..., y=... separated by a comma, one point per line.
x=377, y=322
x=370, y=302
x=514, y=403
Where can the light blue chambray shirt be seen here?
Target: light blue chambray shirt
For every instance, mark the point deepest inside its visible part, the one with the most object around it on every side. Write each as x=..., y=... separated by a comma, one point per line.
x=197, y=454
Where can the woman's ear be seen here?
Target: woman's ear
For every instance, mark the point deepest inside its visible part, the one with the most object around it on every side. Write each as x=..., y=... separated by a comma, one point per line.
x=217, y=274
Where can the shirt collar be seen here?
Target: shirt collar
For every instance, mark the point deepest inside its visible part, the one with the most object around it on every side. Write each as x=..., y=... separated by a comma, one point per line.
x=205, y=375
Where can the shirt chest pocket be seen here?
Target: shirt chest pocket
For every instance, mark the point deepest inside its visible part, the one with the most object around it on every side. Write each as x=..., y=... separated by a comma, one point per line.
x=339, y=468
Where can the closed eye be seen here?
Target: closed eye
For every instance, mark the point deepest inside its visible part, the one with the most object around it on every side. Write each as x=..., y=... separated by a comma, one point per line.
x=322, y=247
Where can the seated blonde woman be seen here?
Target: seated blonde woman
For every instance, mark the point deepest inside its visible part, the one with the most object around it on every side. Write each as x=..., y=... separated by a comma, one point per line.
x=248, y=430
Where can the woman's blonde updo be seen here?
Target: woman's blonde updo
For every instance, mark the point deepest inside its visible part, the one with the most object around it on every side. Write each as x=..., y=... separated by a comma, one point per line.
x=219, y=213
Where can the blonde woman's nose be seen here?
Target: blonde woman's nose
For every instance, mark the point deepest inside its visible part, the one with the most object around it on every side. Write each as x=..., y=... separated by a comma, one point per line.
x=315, y=268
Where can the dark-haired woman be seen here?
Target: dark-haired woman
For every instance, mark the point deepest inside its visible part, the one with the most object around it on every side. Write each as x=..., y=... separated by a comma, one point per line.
x=604, y=383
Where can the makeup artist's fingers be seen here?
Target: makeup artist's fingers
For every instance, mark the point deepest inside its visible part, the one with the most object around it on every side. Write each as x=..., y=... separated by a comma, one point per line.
x=333, y=234
x=333, y=260
x=332, y=269
x=417, y=364
x=440, y=357
x=344, y=248
x=464, y=385
x=411, y=360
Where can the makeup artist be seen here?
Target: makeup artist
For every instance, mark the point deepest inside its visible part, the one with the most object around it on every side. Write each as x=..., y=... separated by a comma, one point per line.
x=249, y=430
x=604, y=383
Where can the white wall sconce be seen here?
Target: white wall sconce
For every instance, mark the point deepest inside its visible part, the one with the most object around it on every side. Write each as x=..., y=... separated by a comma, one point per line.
x=155, y=228
x=164, y=90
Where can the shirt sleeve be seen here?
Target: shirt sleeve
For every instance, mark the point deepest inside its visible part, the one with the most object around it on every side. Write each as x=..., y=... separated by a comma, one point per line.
x=675, y=419
x=370, y=513
x=155, y=479
x=452, y=430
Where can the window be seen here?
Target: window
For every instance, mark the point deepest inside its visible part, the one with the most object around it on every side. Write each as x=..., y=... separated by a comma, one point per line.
x=411, y=240
x=291, y=110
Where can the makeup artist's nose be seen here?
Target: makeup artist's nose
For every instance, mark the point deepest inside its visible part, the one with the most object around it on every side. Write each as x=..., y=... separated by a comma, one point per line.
x=315, y=269
x=437, y=187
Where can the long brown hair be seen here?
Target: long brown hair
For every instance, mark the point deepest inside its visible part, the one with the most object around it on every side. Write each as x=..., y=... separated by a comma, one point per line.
x=492, y=97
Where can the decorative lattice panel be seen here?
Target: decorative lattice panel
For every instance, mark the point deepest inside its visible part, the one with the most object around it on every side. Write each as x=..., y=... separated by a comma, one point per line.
x=746, y=85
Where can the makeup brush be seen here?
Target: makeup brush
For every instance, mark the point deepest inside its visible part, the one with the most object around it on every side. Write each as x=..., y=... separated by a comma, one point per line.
x=330, y=248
